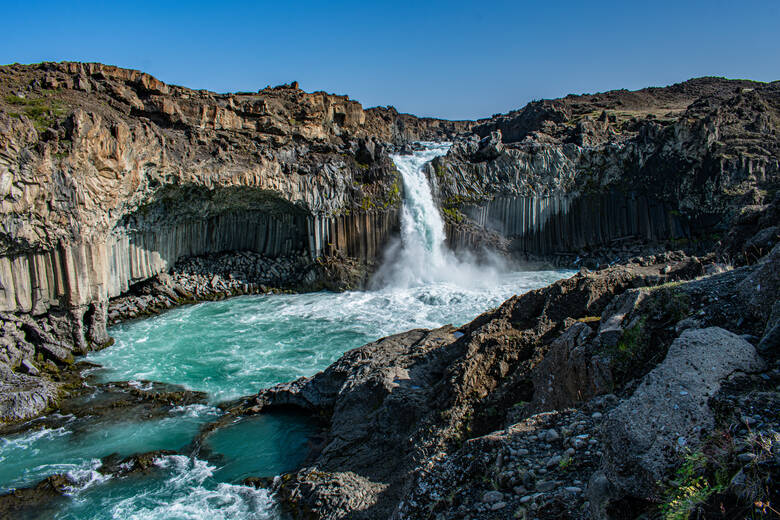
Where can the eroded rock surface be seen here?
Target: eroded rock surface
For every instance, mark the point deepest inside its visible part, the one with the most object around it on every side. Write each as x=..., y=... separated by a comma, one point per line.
x=572, y=401
x=668, y=414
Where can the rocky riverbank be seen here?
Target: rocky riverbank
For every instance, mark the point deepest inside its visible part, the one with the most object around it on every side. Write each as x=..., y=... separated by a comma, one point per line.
x=647, y=388
x=213, y=277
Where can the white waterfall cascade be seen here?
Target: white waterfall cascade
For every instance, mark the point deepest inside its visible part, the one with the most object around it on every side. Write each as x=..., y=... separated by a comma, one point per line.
x=422, y=257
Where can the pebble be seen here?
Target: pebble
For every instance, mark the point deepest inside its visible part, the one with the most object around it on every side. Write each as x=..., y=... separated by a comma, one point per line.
x=551, y=435
x=492, y=497
x=573, y=489
x=497, y=506
x=554, y=461
x=746, y=457
x=546, y=485
x=597, y=415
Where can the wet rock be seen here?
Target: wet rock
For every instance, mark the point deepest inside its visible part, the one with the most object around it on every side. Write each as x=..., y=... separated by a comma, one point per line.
x=138, y=463
x=41, y=499
x=23, y=397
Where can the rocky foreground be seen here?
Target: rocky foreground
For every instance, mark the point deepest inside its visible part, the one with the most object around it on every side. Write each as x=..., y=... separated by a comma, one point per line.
x=649, y=388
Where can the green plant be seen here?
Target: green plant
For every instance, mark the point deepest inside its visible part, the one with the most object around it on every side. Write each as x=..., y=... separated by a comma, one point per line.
x=670, y=302
x=689, y=488
x=632, y=339
x=565, y=462
x=42, y=111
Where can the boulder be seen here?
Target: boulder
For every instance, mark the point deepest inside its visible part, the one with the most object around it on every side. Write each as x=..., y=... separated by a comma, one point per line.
x=490, y=147
x=668, y=414
x=23, y=397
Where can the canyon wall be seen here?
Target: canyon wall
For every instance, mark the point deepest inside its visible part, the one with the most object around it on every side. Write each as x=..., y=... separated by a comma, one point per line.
x=109, y=176
x=565, y=176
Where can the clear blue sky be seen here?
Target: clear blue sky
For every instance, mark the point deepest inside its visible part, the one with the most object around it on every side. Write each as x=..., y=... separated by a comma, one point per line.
x=454, y=59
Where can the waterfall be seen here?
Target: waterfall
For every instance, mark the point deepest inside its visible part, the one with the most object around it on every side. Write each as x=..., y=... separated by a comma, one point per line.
x=422, y=256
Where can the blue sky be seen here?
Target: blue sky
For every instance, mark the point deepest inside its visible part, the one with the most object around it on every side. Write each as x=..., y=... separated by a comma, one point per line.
x=456, y=59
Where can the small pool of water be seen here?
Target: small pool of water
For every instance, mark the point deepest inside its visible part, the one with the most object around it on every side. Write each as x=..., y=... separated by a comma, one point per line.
x=262, y=445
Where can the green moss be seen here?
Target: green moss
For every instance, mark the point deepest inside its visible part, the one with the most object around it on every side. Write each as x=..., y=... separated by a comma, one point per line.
x=632, y=342
x=670, y=302
x=439, y=169
x=453, y=214
x=459, y=200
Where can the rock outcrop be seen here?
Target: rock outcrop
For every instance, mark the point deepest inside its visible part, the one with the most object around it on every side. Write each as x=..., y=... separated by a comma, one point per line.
x=668, y=414
x=573, y=401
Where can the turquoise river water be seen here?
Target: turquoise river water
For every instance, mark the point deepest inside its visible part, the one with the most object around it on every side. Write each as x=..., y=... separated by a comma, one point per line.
x=237, y=347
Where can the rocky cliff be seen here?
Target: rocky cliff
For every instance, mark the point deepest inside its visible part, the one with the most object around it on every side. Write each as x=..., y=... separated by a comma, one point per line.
x=571, y=175
x=108, y=176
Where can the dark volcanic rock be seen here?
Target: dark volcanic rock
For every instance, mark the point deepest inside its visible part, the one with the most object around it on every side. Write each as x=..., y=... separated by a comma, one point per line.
x=392, y=404
x=35, y=502
x=668, y=414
